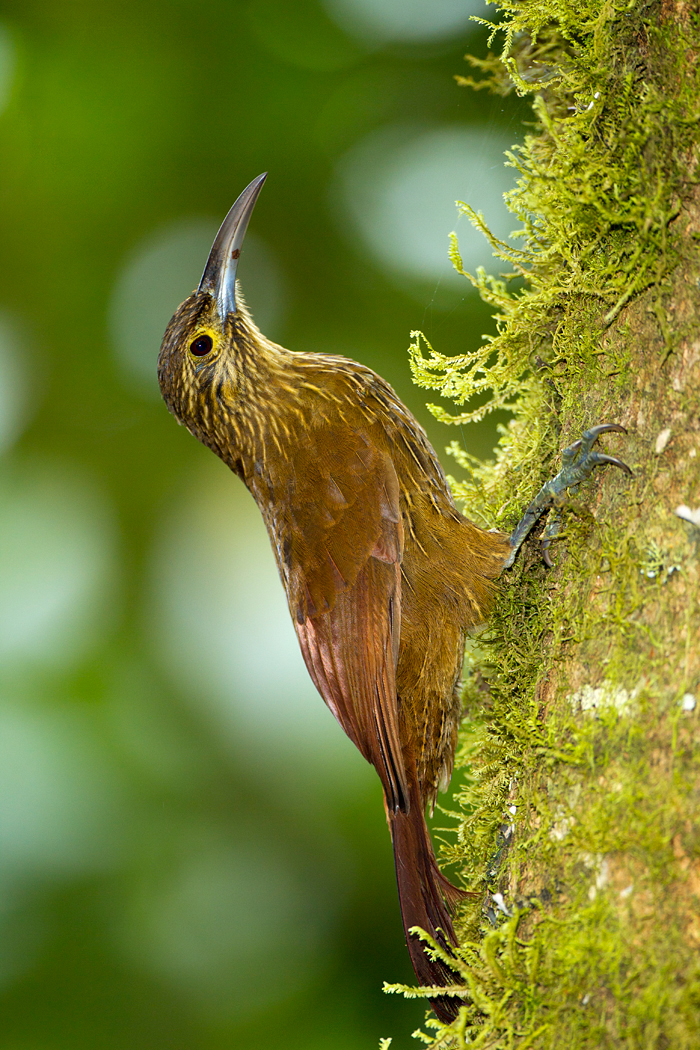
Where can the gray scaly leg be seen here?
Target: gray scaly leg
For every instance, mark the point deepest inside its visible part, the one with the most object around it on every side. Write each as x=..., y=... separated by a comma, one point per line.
x=579, y=461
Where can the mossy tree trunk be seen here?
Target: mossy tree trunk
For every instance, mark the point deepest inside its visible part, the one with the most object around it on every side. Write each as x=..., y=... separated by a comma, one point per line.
x=582, y=759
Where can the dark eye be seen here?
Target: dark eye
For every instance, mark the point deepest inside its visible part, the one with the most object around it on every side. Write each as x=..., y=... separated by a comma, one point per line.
x=201, y=346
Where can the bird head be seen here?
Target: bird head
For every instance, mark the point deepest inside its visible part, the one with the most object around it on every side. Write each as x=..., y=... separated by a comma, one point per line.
x=203, y=343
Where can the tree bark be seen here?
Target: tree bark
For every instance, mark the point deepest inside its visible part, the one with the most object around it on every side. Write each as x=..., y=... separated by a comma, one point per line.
x=582, y=784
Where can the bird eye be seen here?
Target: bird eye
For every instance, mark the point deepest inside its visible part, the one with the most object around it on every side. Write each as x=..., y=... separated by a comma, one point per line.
x=201, y=346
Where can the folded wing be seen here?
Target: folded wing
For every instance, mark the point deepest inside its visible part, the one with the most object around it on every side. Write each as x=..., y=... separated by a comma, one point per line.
x=340, y=544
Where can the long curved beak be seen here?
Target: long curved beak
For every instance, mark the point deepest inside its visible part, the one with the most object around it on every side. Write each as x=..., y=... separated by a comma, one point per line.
x=219, y=277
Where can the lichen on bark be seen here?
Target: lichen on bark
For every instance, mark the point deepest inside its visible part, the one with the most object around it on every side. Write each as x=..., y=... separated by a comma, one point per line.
x=580, y=754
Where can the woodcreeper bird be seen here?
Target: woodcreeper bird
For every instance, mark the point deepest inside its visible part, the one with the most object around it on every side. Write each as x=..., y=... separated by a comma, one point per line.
x=383, y=575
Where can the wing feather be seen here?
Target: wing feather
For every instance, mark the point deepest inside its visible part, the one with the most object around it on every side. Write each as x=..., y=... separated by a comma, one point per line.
x=341, y=507
x=350, y=654
x=338, y=535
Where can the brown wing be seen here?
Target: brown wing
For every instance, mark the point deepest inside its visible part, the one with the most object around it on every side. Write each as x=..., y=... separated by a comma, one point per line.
x=340, y=543
x=349, y=653
x=341, y=506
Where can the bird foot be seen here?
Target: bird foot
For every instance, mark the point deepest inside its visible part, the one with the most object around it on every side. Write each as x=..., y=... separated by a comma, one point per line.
x=579, y=461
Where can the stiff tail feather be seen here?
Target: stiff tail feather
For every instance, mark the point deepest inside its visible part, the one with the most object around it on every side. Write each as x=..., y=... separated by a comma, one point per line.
x=427, y=899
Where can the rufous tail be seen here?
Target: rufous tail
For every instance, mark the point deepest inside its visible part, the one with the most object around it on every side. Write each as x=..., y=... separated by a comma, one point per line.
x=427, y=899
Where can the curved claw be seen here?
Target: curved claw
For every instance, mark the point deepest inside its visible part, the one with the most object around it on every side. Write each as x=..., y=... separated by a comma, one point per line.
x=587, y=440
x=600, y=457
x=603, y=428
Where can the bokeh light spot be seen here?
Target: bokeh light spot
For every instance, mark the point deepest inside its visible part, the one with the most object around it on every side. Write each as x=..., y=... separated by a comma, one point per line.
x=56, y=566
x=58, y=798
x=400, y=189
x=404, y=20
x=8, y=62
x=13, y=381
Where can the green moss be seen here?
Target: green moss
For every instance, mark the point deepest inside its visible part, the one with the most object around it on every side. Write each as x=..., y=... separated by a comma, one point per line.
x=574, y=692
x=602, y=951
x=600, y=181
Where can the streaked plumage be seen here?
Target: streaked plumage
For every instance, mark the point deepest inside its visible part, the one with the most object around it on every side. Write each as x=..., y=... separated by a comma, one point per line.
x=383, y=575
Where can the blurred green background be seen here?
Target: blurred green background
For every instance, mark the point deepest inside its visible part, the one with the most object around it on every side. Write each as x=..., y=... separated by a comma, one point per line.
x=192, y=855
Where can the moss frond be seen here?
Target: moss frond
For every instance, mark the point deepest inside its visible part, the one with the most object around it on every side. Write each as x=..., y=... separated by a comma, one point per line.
x=579, y=756
x=595, y=200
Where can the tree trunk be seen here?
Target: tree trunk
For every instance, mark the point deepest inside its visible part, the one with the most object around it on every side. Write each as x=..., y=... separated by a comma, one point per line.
x=583, y=776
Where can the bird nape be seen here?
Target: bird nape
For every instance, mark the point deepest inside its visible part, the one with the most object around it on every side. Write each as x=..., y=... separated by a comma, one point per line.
x=384, y=576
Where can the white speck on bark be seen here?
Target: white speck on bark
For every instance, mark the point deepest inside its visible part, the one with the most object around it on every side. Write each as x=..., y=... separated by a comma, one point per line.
x=592, y=698
x=689, y=514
